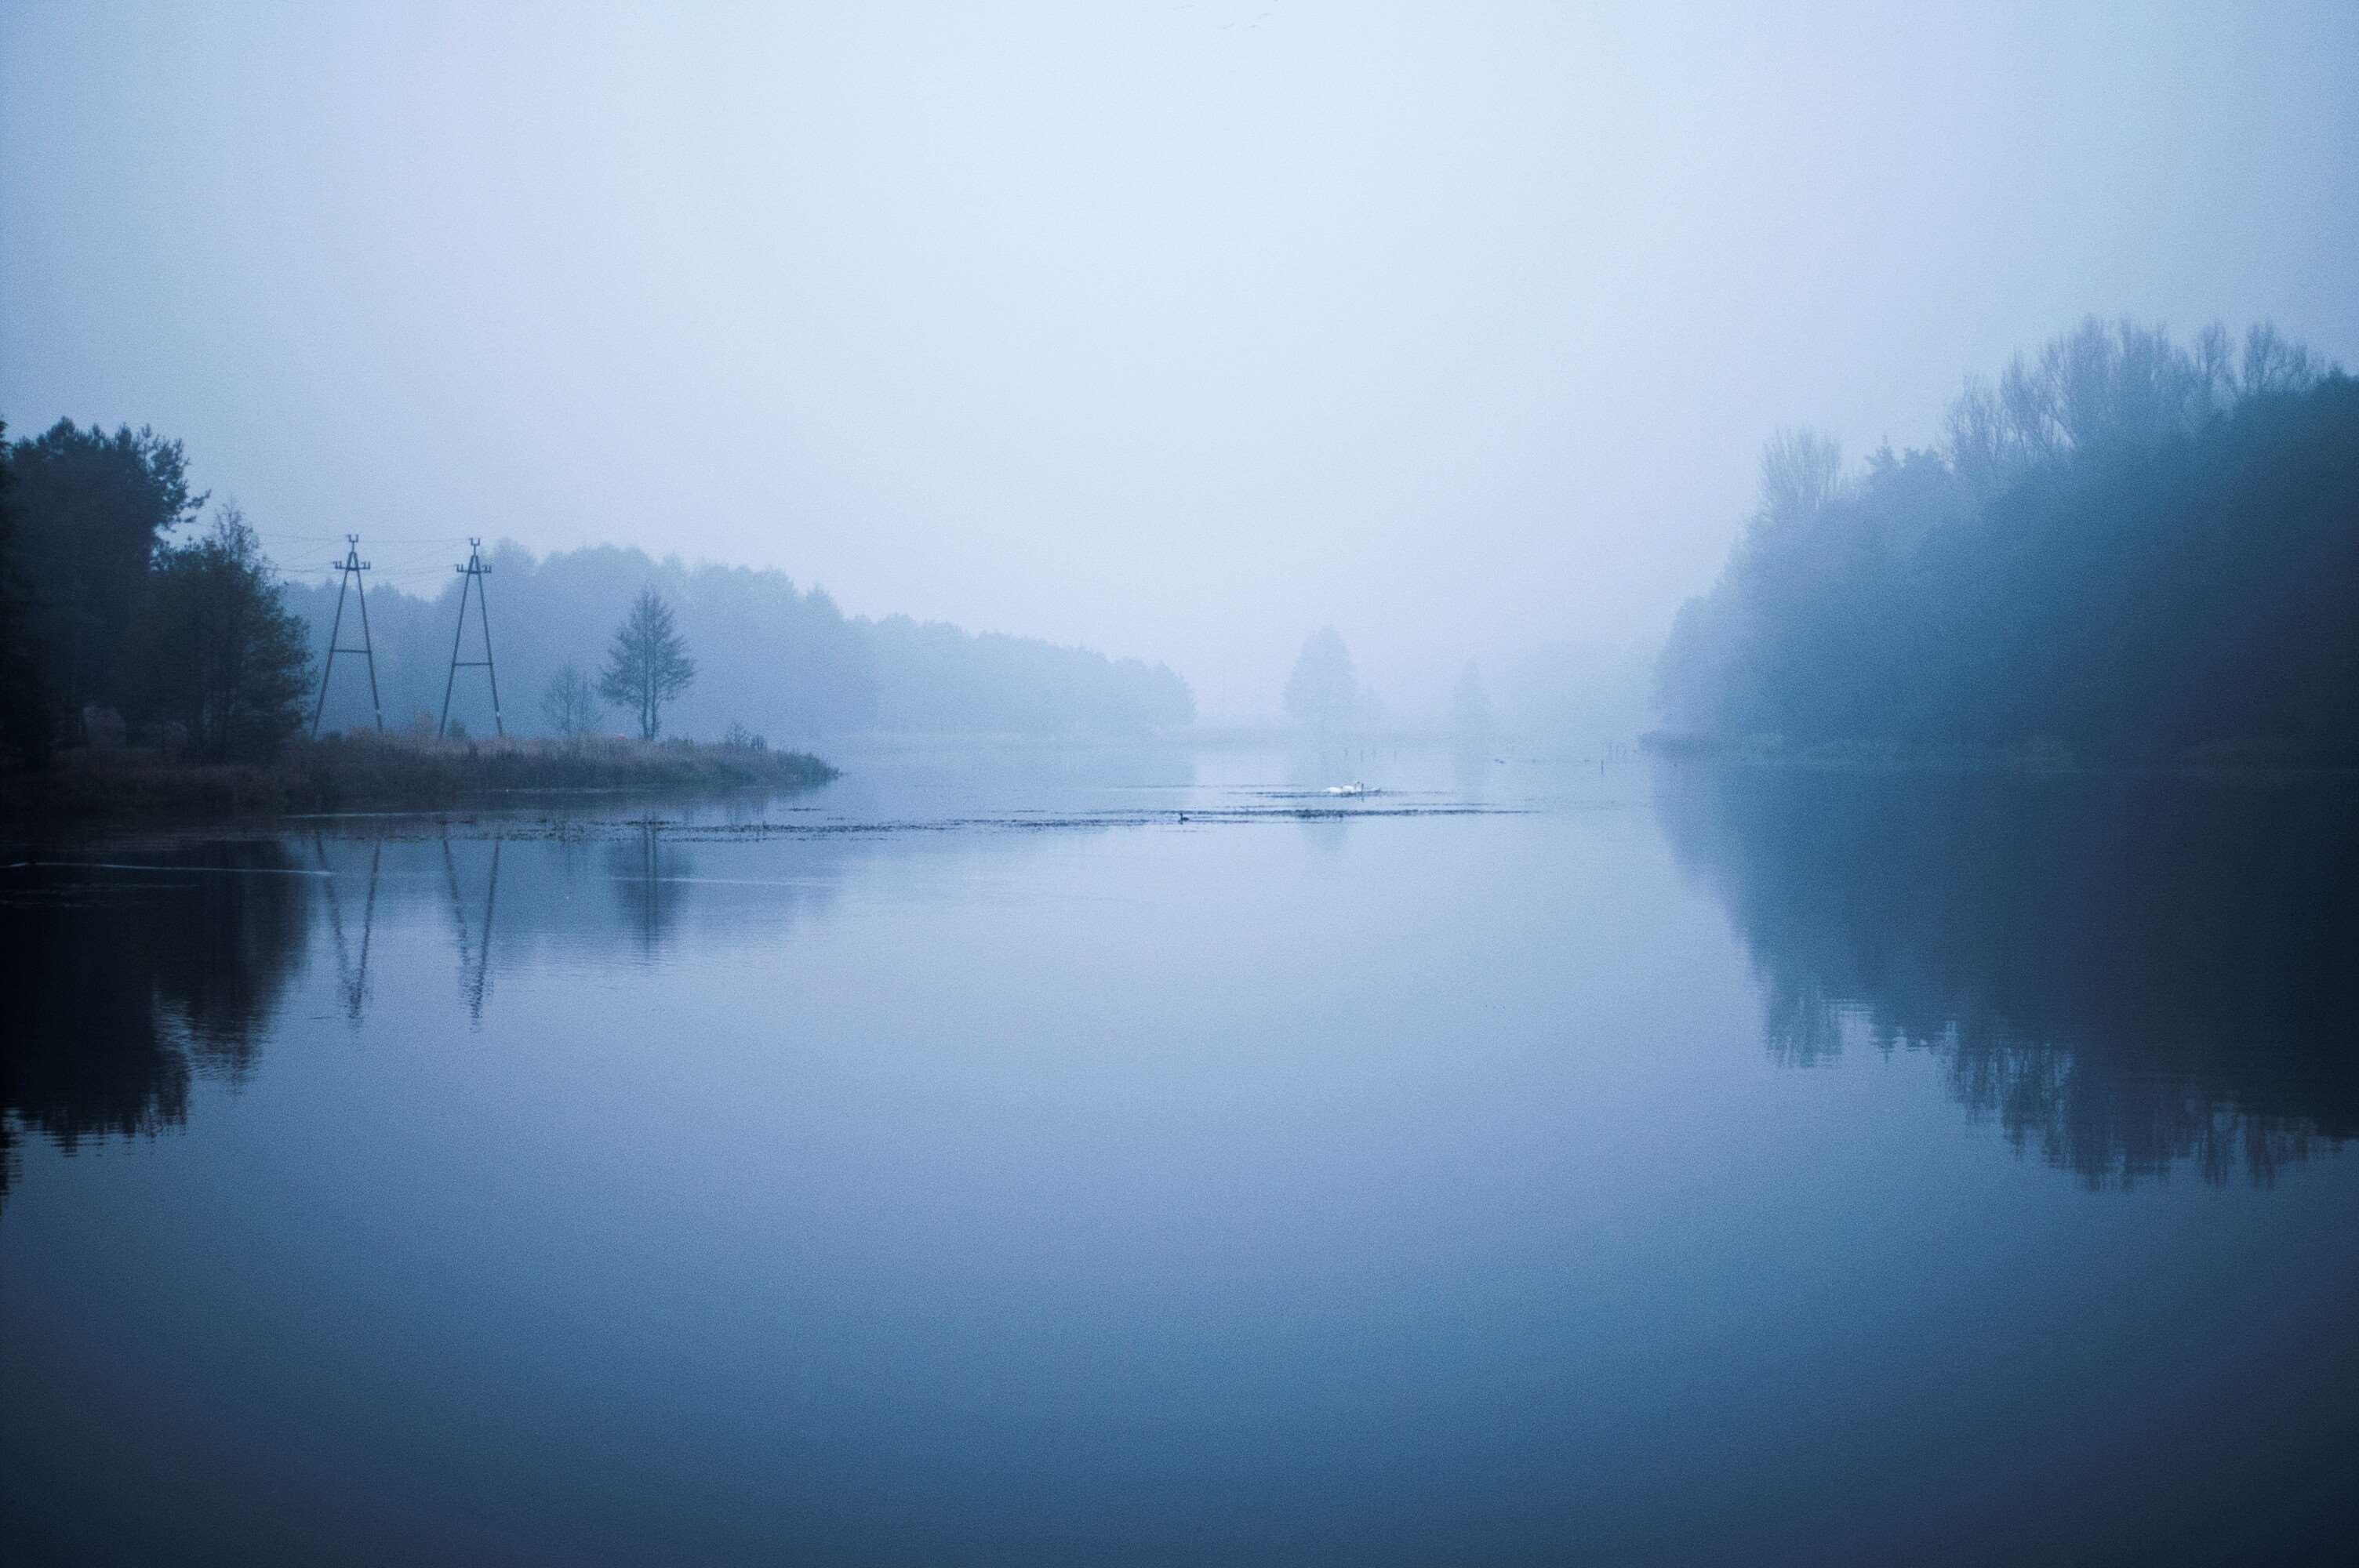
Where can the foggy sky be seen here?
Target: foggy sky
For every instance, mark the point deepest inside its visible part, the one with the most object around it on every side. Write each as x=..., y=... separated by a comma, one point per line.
x=1175, y=329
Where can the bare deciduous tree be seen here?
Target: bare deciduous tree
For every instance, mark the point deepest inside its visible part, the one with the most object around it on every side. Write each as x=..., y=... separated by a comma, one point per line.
x=1800, y=471
x=2122, y=385
x=570, y=703
x=2272, y=364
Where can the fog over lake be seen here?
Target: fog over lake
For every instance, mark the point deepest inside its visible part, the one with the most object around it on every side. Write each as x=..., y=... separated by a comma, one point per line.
x=1143, y=1156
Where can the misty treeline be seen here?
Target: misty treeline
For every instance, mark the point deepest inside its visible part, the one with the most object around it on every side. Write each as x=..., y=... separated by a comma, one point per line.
x=1557, y=692
x=767, y=655
x=120, y=599
x=2125, y=547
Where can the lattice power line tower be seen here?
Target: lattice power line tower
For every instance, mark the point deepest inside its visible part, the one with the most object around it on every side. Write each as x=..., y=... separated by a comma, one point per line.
x=474, y=572
x=351, y=567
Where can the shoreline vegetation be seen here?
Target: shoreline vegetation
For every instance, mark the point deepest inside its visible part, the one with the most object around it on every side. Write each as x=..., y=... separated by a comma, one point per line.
x=2262, y=755
x=339, y=773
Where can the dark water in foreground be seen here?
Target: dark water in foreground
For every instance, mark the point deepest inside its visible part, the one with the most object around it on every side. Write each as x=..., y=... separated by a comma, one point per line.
x=982, y=1162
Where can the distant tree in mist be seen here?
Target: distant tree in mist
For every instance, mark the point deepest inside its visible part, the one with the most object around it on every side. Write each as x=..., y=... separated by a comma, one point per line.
x=570, y=703
x=1470, y=717
x=2125, y=547
x=647, y=664
x=1323, y=692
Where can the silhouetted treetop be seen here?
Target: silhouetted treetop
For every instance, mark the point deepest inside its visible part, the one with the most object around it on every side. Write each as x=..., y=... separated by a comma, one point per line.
x=91, y=509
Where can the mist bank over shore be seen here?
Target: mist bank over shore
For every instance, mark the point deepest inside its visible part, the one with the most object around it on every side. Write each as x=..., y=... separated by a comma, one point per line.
x=777, y=658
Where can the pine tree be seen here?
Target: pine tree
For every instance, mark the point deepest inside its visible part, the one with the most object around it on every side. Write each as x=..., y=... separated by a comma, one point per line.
x=647, y=664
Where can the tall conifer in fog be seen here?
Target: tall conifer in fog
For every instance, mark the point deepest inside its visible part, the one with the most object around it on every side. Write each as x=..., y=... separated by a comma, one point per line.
x=647, y=664
x=1323, y=692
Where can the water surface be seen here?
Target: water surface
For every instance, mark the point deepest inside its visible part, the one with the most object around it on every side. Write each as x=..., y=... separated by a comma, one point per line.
x=1150, y=1158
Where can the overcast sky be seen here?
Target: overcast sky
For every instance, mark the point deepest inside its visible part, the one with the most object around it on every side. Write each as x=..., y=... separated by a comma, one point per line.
x=1174, y=329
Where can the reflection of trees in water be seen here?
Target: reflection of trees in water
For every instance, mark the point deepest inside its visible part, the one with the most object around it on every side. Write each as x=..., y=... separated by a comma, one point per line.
x=2129, y=973
x=2111, y=1121
x=1471, y=773
x=648, y=879
x=121, y=986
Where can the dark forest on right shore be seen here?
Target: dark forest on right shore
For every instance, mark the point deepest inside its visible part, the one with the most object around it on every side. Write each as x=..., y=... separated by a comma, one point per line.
x=2126, y=550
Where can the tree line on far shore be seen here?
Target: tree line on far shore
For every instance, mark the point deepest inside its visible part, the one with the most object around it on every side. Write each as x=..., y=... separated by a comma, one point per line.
x=770, y=655
x=2127, y=548
x=122, y=601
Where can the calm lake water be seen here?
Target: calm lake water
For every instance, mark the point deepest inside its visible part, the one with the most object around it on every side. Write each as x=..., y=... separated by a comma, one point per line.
x=1144, y=1158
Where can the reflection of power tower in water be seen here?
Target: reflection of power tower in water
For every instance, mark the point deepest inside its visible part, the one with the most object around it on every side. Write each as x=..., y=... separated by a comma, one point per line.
x=475, y=949
x=474, y=572
x=351, y=979
x=351, y=567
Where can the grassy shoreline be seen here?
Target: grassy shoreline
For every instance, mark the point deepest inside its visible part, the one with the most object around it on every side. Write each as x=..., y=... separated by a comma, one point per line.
x=388, y=772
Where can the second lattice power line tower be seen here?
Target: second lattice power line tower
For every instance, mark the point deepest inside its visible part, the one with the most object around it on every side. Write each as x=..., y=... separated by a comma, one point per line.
x=473, y=572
